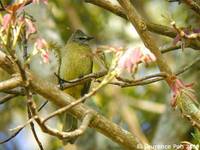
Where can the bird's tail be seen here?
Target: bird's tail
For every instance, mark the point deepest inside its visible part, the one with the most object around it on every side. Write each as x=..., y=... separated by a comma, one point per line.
x=70, y=124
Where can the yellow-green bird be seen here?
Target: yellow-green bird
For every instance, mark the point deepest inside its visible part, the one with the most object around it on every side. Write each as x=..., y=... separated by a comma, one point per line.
x=76, y=61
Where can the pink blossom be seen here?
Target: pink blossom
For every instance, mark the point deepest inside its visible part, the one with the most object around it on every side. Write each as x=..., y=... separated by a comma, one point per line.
x=132, y=57
x=41, y=43
x=30, y=27
x=15, y=7
x=186, y=32
x=6, y=21
x=148, y=57
x=41, y=46
x=108, y=49
x=10, y=17
x=45, y=56
x=178, y=88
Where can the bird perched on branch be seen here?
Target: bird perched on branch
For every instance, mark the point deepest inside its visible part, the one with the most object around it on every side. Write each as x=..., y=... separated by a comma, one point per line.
x=76, y=61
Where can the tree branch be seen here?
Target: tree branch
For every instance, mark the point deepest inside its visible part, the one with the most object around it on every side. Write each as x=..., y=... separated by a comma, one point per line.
x=161, y=74
x=105, y=81
x=153, y=78
x=11, y=83
x=144, y=82
x=4, y=8
x=7, y=98
x=61, y=99
x=190, y=65
x=81, y=129
x=19, y=128
x=11, y=137
x=156, y=28
x=193, y=5
x=83, y=79
x=141, y=28
x=33, y=129
x=169, y=49
x=54, y=132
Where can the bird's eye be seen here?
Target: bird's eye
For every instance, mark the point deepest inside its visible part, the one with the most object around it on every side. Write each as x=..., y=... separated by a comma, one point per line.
x=82, y=38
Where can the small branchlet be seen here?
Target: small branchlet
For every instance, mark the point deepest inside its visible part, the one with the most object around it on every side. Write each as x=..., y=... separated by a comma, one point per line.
x=194, y=5
x=7, y=97
x=185, y=34
x=85, y=78
x=60, y=134
x=151, y=78
x=11, y=83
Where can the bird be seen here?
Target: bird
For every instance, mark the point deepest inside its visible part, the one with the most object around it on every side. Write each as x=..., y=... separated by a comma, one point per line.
x=75, y=62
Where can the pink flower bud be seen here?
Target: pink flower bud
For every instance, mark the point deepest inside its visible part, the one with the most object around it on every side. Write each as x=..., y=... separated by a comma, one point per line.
x=41, y=43
x=178, y=89
x=41, y=46
x=30, y=27
x=6, y=21
x=132, y=57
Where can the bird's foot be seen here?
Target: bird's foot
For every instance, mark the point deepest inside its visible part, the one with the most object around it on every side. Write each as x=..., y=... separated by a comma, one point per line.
x=61, y=81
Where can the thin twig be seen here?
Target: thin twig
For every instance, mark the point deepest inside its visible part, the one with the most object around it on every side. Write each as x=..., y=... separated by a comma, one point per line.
x=161, y=74
x=33, y=129
x=82, y=128
x=7, y=98
x=60, y=134
x=28, y=121
x=18, y=91
x=145, y=82
x=141, y=27
x=193, y=5
x=11, y=137
x=184, y=35
x=21, y=127
x=25, y=124
x=42, y=106
x=106, y=80
x=152, y=78
x=153, y=27
x=22, y=70
x=169, y=49
x=85, y=78
x=187, y=67
x=29, y=96
x=60, y=99
x=4, y=8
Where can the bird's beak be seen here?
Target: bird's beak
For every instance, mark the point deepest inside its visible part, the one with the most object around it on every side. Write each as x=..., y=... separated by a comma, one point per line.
x=90, y=38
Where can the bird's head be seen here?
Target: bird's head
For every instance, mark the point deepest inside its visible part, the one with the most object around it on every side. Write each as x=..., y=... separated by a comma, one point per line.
x=80, y=37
